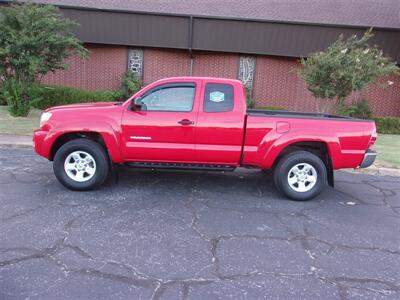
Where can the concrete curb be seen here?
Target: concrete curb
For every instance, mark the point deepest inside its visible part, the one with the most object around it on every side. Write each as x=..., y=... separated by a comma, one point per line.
x=16, y=141
x=25, y=141
x=375, y=170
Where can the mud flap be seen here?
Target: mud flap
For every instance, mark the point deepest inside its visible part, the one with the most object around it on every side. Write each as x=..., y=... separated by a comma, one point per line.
x=115, y=172
x=330, y=176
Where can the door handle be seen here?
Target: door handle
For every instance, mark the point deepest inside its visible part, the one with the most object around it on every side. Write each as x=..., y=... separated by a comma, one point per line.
x=185, y=122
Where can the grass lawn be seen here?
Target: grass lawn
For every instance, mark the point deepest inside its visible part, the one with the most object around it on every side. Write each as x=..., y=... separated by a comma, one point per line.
x=387, y=146
x=18, y=125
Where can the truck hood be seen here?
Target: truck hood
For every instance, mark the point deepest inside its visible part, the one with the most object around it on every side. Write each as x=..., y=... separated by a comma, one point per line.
x=82, y=105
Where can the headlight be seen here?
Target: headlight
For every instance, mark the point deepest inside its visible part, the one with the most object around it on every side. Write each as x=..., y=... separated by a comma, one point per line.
x=45, y=117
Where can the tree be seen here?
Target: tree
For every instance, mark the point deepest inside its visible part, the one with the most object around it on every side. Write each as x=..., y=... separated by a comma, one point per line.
x=34, y=40
x=344, y=67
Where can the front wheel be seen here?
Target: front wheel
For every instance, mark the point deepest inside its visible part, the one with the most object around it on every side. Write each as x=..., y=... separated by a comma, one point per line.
x=81, y=164
x=300, y=175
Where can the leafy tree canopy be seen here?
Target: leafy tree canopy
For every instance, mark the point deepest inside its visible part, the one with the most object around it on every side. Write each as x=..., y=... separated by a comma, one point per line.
x=347, y=65
x=34, y=40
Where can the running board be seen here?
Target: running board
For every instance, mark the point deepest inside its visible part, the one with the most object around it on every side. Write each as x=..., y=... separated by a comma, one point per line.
x=179, y=166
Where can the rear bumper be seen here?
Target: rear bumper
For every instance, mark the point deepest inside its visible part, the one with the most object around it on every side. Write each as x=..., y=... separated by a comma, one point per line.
x=369, y=158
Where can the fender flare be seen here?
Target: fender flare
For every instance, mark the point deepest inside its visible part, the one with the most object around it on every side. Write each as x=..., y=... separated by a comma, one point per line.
x=110, y=137
x=332, y=144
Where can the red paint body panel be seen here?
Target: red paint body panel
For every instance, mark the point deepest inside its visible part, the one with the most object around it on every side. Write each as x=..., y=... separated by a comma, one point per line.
x=157, y=135
x=346, y=141
x=229, y=138
x=101, y=118
x=219, y=135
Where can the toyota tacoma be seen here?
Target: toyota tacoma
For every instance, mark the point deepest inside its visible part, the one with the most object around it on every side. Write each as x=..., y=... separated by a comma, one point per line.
x=201, y=123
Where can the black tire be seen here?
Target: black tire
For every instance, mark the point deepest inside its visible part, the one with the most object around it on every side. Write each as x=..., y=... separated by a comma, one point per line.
x=287, y=162
x=95, y=150
x=275, y=179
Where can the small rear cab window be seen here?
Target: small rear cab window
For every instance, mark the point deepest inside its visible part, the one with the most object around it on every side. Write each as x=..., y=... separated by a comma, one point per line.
x=218, y=97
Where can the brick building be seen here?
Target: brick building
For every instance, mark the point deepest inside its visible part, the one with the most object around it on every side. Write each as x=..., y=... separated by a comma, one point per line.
x=258, y=41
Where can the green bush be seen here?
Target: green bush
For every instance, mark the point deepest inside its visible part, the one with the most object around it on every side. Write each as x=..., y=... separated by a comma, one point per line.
x=16, y=95
x=130, y=84
x=388, y=125
x=360, y=110
x=48, y=96
x=3, y=100
x=250, y=102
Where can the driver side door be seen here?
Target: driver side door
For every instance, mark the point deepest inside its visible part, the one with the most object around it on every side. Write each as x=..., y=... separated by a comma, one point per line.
x=163, y=129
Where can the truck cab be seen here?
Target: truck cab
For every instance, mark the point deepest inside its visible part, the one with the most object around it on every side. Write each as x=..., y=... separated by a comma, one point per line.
x=186, y=120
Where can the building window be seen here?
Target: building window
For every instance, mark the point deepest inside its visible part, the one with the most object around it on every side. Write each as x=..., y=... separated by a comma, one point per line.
x=135, y=62
x=247, y=65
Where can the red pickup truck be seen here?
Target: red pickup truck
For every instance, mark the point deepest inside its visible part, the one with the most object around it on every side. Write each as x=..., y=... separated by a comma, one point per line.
x=201, y=123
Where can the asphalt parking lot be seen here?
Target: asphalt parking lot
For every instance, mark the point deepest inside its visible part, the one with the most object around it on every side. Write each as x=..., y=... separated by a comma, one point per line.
x=194, y=235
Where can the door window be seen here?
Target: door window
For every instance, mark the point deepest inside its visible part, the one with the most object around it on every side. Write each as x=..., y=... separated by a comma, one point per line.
x=170, y=98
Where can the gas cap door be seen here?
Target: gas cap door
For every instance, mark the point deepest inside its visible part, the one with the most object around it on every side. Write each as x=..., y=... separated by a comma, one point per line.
x=282, y=127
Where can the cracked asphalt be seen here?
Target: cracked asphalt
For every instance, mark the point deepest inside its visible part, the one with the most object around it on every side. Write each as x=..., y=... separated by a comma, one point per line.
x=194, y=235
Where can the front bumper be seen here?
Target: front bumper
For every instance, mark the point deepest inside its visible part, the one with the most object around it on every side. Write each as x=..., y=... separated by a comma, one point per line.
x=39, y=137
x=369, y=158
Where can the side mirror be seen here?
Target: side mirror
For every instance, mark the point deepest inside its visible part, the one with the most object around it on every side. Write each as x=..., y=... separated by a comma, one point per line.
x=136, y=104
x=138, y=101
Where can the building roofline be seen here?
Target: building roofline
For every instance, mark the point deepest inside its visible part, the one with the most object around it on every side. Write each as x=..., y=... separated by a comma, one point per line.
x=198, y=32
x=116, y=10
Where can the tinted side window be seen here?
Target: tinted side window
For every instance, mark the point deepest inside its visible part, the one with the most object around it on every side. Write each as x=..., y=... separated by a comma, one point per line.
x=218, y=97
x=179, y=98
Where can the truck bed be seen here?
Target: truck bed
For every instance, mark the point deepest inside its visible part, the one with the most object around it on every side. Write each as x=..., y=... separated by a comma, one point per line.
x=300, y=115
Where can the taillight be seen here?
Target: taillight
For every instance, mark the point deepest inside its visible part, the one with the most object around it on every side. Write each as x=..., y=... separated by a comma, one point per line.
x=373, y=138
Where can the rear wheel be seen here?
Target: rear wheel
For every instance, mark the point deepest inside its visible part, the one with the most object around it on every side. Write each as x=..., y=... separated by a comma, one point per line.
x=300, y=175
x=81, y=164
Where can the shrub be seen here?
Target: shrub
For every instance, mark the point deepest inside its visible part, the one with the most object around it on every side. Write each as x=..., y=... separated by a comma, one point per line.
x=16, y=95
x=130, y=84
x=48, y=96
x=388, y=125
x=360, y=110
x=250, y=102
x=3, y=100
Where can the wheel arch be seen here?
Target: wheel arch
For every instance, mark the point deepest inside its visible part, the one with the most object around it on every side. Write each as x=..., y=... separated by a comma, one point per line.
x=69, y=136
x=318, y=148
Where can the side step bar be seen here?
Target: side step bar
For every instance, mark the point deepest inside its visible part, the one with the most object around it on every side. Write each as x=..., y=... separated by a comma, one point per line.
x=179, y=166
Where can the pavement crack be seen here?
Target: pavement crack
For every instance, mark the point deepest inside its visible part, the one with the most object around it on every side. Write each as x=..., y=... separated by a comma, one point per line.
x=351, y=281
x=23, y=213
x=214, y=245
x=386, y=193
x=21, y=259
x=143, y=282
x=85, y=254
